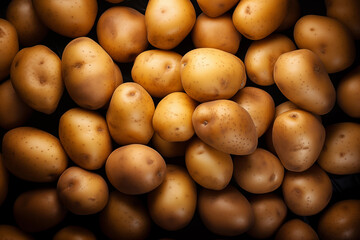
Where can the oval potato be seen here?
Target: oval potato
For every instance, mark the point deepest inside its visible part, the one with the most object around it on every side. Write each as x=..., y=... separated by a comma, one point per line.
x=9, y=46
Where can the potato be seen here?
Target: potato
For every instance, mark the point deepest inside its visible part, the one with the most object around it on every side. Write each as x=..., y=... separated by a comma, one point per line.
x=302, y=78
x=22, y=15
x=249, y=13
x=82, y=192
x=216, y=8
x=298, y=138
x=135, y=169
x=168, y=149
x=261, y=56
x=73, y=232
x=269, y=213
x=346, y=12
x=225, y=126
x=125, y=217
x=85, y=137
x=168, y=22
x=259, y=172
x=121, y=31
x=296, y=229
x=158, y=71
x=38, y=210
x=4, y=182
x=340, y=221
x=211, y=74
x=11, y=232
x=130, y=113
x=13, y=111
x=216, y=32
x=293, y=14
x=172, y=118
x=307, y=193
x=36, y=77
x=210, y=168
x=347, y=94
x=33, y=155
x=172, y=205
x=9, y=46
x=328, y=38
x=88, y=73
x=118, y=75
x=68, y=18
x=341, y=153
x=225, y=212
x=259, y=104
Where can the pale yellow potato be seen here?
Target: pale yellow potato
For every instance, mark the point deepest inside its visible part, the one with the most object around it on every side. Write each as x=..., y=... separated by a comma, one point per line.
x=68, y=18
x=216, y=32
x=4, y=182
x=36, y=77
x=256, y=19
x=74, y=232
x=12, y=232
x=158, y=71
x=216, y=8
x=330, y=39
x=172, y=118
x=211, y=74
x=168, y=22
x=302, y=78
x=293, y=14
x=261, y=56
x=296, y=229
x=130, y=113
x=168, y=149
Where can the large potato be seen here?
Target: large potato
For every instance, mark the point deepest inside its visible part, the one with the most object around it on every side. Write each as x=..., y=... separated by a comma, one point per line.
x=37, y=79
x=4, y=181
x=296, y=229
x=33, y=154
x=226, y=126
x=74, y=232
x=215, y=8
x=130, y=113
x=210, y=74
x=301, y=76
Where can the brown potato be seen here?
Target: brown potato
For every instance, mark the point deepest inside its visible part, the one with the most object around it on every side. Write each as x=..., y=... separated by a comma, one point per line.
x=10, y=232
x=73, y=232
x=168, y=149
x=296, y=229
x=293, y=14
x=215, y=8
x=4, y=181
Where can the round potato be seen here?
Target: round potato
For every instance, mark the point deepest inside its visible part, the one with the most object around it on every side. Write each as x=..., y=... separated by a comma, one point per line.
x=36, y=77
x=211, y=74
x=293, y=14
x=168, y=149
x=328, y=38
x=22, y=15
x=73, y=232
x=296, y=229
x=85, y=137
x=261, y=56
x=121, y=31
x=158, y=71
x=172, y=205
x=13, y=233
x=68, y=18
x=4, y=182
x=33, y=154
x=216, y=8
x=218, y=32
x=225, y=126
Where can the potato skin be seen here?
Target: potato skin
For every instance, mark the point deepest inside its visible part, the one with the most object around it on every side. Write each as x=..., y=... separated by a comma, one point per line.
x=73, y=232
x=4, y=181
x=216, y=8
x=296, y=229
x=34, y=155
x=13, y=233
x=168, y=149
x=293, y=14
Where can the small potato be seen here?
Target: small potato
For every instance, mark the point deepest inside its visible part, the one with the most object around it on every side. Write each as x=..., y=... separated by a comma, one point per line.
x=172, y=118
x=296, y=229
x=85, y=137
x=13, y=111
x=130, y=113
x=34, y=155
x=168, y=22
x=172, y=205
x=68, y=18
x=225, y=212
x=341, y=152
x=259, y=172
x=211, y=74
x=216, y=8
x=125, y=217
x=249, y=13
x=4, y=182
x=121, y=31
x=158, y=71
x=168, y=149
x=328, y=38
x=22, y=15
x=261, y=56
x=82, y=192
x=225, y=126
x=301, y=76
x=135, y=169
x=73, y=232
x=293, y=14
x=10, y=232
x=9, y=46
x=38, y=210
x=209, y=167
x=36, y=77
x=307, y=193
x=219, y=32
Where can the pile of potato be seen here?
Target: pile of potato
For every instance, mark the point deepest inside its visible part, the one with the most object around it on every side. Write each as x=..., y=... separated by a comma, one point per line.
x=173, y=119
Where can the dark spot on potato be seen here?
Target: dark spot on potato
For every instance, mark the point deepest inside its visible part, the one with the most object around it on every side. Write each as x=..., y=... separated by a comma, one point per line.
x=91, y=199
x=2, y=32
x=42, y=80
x=221, y=5
x=150, y=161
x=41, y=62
x=297, y=192
x=272, y=177
x=162, y=10
x=317, y=68
x=78, y=65
x=293, y=115
x=312, y=29
x=131, y=93
x=200, y=152
x=205, y=122
x=323, y=48
x=248, y=10
x=99, y=129
x=342, y=154
x=341, y=136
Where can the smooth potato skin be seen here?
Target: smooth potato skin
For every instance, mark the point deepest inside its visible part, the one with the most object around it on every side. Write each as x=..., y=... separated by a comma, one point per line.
x=216, y=8
x=73, y=232
x=168, y=149
x=296, y=229
x=293, y=14
x=4, y=181
x=10, y=232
